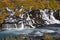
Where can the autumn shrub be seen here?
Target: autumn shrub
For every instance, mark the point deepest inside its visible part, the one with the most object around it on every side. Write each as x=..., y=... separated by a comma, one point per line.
x=48, y=37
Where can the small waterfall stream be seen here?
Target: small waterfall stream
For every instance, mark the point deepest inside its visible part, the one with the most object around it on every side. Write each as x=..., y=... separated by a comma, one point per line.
x=7, y=26
x=21, y=9
x=21, y=15
x=28, y=18
x=22, y=26
x=11, y=12
x=15, y=26
x=45, y=17
x=29, y=21
x=52, y=18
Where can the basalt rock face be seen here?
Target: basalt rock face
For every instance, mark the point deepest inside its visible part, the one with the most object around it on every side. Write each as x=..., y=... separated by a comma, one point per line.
x=29, y=20
x=57, y=14
x=36, y=16
x=32, y=19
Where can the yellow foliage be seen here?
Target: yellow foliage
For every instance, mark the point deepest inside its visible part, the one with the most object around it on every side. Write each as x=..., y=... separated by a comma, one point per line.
x=48, y=37
x=2, y=17
x=20, y=38
x=17, y=13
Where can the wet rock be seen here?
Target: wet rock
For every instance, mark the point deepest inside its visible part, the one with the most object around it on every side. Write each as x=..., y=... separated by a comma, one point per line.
x=57, y=14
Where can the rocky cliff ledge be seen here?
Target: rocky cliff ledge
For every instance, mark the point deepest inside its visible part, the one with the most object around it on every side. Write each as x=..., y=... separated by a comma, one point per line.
x=32, y=18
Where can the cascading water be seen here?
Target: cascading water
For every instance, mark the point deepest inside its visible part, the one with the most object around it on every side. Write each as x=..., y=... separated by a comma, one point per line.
x=21, y=15
x=45, y=17
x=22, y=26
x=7, y=26
x=21, y=9
x=28, y=18
x=29, y=21
x=52, y=18
x=11, y=12
x=48, y=20
x=33, y=21
x=8, y=9
x=15, y=26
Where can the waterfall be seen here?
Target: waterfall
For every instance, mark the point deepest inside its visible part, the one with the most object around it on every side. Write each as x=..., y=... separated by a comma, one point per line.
x=30, y=21
x=45, y=17
x=33, y=21
x=11, y=12
x=48, y=20
x=28, y=18
x=7, y=26
x=8, y=9
x=15, y=26
x=52, y=18
x=22, y=26
x=21, y=9
x=21, y=15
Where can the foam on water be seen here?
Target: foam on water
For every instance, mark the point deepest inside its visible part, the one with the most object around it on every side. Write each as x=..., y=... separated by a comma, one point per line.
x=50, y=20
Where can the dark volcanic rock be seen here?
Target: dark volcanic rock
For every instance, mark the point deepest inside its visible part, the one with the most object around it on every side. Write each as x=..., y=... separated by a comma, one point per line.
x=36, y=16
x=57, y=14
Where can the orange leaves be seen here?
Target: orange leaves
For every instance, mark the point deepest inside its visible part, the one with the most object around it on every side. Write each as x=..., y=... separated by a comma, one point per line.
x=17, y=13
x=9, y=4
x=2, y=17
x=48, y=37
x=27, y=3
